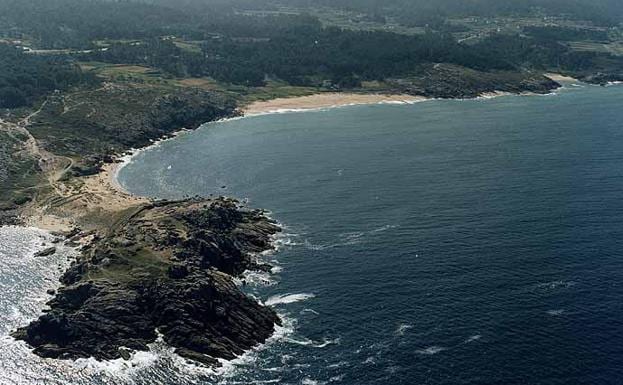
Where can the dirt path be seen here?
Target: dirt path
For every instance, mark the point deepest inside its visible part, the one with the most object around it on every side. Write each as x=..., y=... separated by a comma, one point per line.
x=61, y=203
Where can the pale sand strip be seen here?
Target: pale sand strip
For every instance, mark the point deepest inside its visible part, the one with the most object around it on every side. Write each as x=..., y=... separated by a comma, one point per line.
x=98, y=195
x=561, y=78
x=325, y=100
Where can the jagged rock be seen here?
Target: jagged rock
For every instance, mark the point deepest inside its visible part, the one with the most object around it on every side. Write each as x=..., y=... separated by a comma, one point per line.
x=177, y=278
x=125, y=353
x=197, y=357
x=178, y=271
x=46, y=252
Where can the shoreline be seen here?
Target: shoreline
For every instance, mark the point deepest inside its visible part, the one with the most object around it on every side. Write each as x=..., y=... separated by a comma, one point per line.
x=325, y=100
x=309, y=103
x=332, y=100
x=92, y=203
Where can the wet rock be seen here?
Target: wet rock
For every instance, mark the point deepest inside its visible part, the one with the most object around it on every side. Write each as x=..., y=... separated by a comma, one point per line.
x=176, y=277
x=197, y=357
x=46, y=252
x=178, y=271
x=125, y=353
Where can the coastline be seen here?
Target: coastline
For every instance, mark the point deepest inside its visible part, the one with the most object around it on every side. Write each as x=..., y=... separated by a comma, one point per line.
x=326, y=100
x=330, y=100
x=98, y=195
x=313, y=102
x=319, y=101
x=98, y=204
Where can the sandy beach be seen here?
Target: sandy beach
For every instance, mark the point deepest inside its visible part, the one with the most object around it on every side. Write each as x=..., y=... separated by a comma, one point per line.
x=96, y=195
x=325, y=100
x=561, y=78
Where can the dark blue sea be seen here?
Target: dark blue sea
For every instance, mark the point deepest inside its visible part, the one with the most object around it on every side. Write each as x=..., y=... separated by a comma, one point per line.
x=443, y=242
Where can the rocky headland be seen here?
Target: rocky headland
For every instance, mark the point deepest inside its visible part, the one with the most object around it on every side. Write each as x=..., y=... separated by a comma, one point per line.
x=146, y=268
x=165, y=268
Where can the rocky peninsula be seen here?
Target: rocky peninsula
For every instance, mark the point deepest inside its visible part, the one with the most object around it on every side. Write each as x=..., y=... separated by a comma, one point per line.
x=146, y=268
x=168, y=268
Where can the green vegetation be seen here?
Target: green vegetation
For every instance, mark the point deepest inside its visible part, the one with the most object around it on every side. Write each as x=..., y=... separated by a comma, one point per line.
x=24, y=78
x=311, y=43
x=118, y=74
x=420, y=12
x=566, y=33
x=19, y=170
x=89, y=125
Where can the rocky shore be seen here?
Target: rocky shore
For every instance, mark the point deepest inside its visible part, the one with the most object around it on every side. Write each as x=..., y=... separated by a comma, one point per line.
x=165, y=268
x=150, y=268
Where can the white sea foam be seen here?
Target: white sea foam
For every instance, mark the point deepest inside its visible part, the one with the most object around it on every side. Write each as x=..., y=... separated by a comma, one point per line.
x=314, y=344
x=431, y=350
x=117, y=371
x=256, y=278
x=309, y=381
x=312, y=311
x=338, y=365
x=402, y=329
x=26, y=277
x=119, y=367
x=556, y=312
x=349, y=238
x=315, y=247
x=280, y=111
x=273, y=369
x=473, y=338
x=287, y=299
x=274, y=381
x=556, y=284
x=285, y=240
x=229, y=368
x=383, y=228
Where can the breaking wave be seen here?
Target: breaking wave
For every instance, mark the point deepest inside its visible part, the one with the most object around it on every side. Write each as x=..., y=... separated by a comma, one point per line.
x=287, y=298
x=349, y=238
x=431, y=350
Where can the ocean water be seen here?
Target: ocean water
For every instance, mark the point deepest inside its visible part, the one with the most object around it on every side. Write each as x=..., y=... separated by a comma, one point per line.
x=445, y=242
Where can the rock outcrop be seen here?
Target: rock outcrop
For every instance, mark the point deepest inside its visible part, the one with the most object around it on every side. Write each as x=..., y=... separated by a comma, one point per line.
x=449, y=81
x=165, y=268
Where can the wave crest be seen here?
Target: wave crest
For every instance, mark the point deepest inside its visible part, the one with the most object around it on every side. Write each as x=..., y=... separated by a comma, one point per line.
x=284, y=299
